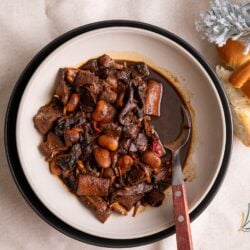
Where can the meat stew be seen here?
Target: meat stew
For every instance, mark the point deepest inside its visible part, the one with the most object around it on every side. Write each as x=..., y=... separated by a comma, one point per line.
x=98, y=135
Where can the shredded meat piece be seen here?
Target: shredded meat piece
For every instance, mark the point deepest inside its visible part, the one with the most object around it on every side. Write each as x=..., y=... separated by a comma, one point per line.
x=62, y=91
x=90, y=185
x=52, y=143
x=154, y=198
x=85, y=77
x=128, y=201
x=98, y=205
x=134, y=190
x=45, y=118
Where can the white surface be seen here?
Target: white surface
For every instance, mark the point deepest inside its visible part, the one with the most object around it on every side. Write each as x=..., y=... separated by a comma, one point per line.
x=210, y=137
x=26, y=26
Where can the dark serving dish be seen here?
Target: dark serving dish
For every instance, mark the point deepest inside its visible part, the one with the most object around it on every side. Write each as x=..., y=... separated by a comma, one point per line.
x=156, y=40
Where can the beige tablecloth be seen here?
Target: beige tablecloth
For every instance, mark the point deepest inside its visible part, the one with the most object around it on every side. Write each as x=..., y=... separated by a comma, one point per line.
x=26, y=26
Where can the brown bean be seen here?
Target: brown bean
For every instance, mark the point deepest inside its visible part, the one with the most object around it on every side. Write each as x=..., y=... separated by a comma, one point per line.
x=102, y=157
x=125, y=163
x=151, y=159
x=108, y=142
x=70, y=137
x=55, y=169
x=101, y=111
x=73, y=102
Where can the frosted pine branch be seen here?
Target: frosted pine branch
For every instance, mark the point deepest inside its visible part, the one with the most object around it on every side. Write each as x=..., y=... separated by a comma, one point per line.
x=225, y=20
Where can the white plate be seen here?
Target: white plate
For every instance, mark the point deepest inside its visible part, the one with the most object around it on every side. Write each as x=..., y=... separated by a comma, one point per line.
x=196, y=82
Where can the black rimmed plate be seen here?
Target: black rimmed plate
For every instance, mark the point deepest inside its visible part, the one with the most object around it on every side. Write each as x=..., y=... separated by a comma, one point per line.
x=127, y=40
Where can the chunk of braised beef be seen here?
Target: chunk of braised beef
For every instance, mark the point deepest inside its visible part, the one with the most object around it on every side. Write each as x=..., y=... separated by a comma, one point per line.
x=128, y=201
x=89, y=92
x=62, y=91
x=106, y=61
x=154, y=198
x=88, y=96
x=92, y=186
x=103, y=73
x=45, y=118
x=85, y=77
x=52, y=143
x=153, y=98
x=98, y=205
x=91, y=65
x=140, y=188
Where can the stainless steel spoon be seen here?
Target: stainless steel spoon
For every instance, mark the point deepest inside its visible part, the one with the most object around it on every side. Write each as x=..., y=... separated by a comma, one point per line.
x=181, y=214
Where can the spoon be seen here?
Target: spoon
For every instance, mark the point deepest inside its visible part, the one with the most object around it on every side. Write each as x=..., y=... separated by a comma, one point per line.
x=181, y=215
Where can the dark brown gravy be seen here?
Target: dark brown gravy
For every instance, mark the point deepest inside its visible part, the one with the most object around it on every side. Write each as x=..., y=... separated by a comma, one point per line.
x=171, y=117
x=168, y=125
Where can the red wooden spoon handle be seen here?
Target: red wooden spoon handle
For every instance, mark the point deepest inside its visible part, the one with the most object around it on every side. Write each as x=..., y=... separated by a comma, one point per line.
x=181, y=216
